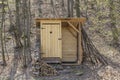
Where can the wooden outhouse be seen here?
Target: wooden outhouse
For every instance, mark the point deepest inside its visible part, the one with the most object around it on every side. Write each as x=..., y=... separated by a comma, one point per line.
x=60, y=39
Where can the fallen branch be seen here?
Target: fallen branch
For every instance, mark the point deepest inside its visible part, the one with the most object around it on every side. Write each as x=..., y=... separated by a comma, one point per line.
x=91, y=54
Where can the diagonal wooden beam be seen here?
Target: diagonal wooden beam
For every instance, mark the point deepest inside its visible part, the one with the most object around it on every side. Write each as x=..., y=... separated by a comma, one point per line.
x=71, y=25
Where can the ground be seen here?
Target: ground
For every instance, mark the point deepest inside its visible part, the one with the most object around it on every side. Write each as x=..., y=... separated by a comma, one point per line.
x=67, y=73
x=81, y=72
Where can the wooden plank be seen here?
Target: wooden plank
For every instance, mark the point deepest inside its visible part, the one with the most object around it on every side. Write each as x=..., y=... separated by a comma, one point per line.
x=39, y=36
x=71, y=25
x=60, y=18
x=52, y=59
x=56, y=49
x=80, y=52
x=69, y=64
x=70, y=59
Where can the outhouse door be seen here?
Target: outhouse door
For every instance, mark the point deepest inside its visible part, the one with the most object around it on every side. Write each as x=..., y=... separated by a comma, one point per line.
x=51, y=43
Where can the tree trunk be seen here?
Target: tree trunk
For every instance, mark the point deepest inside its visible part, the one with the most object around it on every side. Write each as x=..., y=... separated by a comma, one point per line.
x=77, y=8
x=70, y=8
x=1, y=33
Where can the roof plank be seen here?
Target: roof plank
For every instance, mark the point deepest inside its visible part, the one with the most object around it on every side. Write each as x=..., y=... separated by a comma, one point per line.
x=82, y=20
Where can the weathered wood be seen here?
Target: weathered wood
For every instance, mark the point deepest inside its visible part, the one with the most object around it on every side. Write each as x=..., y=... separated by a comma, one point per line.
x=70, y=44
x=82, y=20
x=80, y=52
x=71, y=25
x=70, y=63
x=52, y=59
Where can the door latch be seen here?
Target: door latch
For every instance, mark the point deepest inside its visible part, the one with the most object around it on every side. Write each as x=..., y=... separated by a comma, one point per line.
x=59, y=38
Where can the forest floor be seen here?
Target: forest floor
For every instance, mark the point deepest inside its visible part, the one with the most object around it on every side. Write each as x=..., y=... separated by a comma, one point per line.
x=82, y=72
x=67, y=73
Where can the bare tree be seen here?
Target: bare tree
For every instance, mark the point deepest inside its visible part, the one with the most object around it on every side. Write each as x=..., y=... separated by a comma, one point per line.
x=1, y=33
x=70, y=7
x=22, y=30
x=77, y=8
x=26, y=33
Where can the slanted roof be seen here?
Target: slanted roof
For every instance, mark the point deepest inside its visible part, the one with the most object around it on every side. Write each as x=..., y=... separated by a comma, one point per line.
x=67, y=20
x=82, y=20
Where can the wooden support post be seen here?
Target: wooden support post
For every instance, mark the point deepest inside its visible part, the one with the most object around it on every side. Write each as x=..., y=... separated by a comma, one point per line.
x=40, y=55
x=79, y=40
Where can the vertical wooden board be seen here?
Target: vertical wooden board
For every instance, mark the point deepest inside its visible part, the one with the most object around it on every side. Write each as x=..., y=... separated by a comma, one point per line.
x=80, y=51
x=60, y=41
x=55, y=42
x=45, y=40
x=60, y=37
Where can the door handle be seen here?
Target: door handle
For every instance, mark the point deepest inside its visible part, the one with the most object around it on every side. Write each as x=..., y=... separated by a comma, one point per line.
x=59, y=38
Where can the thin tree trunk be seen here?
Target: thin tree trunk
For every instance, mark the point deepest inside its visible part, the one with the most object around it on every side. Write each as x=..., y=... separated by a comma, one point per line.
x=70, y=8
x=77, y=8
x=1, y=33
x=27, y=25
x=54, y=11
